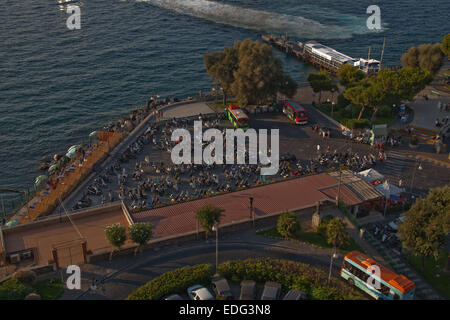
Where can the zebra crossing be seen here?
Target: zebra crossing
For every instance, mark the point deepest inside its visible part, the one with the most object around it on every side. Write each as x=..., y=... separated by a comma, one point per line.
x=394, y=167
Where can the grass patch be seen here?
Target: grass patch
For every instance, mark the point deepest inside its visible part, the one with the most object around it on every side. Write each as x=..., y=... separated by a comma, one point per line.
x=50, y=289
x=433, y=268
x=314, y=238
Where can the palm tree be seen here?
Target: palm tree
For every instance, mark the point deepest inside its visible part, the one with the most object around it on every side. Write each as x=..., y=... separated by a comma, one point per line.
x=208, y=216
x=337, y=236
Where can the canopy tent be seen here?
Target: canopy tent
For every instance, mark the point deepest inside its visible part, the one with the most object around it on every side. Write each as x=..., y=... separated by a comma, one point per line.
x=74, y=147
x=93, y=136
x=71, y=153
x=39, y=180
x=389, y=190
x=370, y=175
x=53, y=168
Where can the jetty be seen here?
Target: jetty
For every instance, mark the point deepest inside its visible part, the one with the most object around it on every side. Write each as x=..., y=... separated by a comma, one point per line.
x=320, y=55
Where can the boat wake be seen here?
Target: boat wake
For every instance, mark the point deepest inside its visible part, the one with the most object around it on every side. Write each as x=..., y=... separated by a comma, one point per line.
x=262, y=21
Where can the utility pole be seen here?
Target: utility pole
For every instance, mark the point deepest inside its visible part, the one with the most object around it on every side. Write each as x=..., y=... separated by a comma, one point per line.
x=252, y=216
x=216, y=228
x=382, y=52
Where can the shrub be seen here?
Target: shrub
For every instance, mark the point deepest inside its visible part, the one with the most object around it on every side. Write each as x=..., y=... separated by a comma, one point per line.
x=14, y=290
x=116, y=235
x=176, y=281
x=322, y=228
x=25, y=276
x=342, y=102
x=288, y=225
x=357, y=124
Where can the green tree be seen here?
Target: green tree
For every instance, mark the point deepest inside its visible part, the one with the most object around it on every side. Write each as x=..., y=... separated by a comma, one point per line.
x=207, y=216
x=288, y=225
x=321, y=81
x=337, y=234
x=445, y=44
x=116, y=235
x=427, y=224
x=350, y=76
x=358, y=95
x=426, y=56
x=221, y=67
x=140, y=233
x=260, y=74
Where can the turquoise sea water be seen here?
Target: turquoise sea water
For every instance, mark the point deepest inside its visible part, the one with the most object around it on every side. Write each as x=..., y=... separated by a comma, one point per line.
x=58, y=85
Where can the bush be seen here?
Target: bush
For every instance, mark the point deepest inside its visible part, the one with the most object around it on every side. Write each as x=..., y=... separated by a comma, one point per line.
x=357, y=124
x=176, y=281
x=14, y=290
x=25, y=276
x=291, y=275
x=342, y=102
x=288, y=225
x=322, y=228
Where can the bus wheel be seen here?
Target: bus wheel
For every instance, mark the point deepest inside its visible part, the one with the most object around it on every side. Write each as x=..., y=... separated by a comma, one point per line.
x=351, y=282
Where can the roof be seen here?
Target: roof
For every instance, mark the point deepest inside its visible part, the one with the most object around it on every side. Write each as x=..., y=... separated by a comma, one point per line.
x=398, y=281
x=295, y=105
x=239, y=114
x=328, y=53
x=358, y=186
x=269, y=199
x=53, y=232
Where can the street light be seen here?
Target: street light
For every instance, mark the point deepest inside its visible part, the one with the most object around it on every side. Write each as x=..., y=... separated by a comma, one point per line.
x=216, y=229
x=414, y=175
x=333, y=256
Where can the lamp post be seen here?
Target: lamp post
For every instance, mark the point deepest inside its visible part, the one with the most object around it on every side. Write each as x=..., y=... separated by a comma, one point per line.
x=333, y=256
x=252, y=216
x=216, y=229
x=332, y=108
x=414, y=175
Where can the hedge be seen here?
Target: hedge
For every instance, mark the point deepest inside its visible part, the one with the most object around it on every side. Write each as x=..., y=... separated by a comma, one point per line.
x=358, y=124
x=176, y=281
x=291, y=275
x=14, y=290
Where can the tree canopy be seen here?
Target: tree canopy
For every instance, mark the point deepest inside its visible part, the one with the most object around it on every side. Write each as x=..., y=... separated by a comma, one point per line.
x=140, y=233
x=445, y=44
x=207, y=216
x=250, y=71
x=427, y=224
x=288, y=225
x=116, y=235
x=321, y=81
x=350, y=76
x=426, y=56
x=337, y=234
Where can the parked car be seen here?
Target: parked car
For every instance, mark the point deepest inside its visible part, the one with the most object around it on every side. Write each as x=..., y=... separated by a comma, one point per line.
x=221, y=287
x=271, y=291
x=395, y=223
x=248, y=290
x=295, y=295
x=174, y=297
x=198, y=292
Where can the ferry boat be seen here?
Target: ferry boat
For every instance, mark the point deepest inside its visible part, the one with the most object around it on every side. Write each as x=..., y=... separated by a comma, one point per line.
x=321, y=56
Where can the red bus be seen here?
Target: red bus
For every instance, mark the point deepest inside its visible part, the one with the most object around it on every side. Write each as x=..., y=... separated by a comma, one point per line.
x=391, y=286
x=295, y=112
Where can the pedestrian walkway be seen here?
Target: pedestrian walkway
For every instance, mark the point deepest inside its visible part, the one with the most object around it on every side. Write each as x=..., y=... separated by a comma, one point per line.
x=394, y=167
x=426, y=136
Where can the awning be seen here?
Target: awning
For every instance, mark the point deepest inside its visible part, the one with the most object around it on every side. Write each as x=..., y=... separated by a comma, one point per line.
x=389, y=190
x=370, y=175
